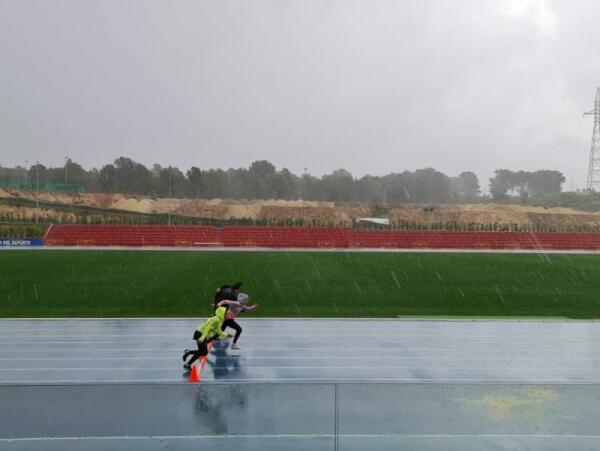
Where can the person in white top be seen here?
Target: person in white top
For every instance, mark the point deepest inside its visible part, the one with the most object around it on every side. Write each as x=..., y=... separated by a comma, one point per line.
x=234, y=308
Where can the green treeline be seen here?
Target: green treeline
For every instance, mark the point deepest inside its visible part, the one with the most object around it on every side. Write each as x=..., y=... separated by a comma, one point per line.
x=262, y=180
x=525, y=185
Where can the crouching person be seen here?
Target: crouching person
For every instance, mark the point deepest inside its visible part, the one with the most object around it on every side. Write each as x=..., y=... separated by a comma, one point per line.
x=208, y=331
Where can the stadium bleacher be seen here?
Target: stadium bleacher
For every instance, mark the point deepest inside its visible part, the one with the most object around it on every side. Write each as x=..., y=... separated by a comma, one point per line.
x=117, y=235
x=311, y=237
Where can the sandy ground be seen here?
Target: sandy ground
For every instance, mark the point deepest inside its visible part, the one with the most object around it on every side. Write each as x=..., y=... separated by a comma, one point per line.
x=322, y=212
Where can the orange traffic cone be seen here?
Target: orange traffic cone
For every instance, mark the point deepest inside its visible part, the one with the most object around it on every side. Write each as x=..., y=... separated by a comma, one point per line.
x=194, y=377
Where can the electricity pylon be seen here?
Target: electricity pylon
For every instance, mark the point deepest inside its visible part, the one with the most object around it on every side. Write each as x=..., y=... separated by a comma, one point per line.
x=593, y=175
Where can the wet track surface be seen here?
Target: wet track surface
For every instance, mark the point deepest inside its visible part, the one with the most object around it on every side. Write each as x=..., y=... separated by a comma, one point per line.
x=46, y=351
x=301, y=384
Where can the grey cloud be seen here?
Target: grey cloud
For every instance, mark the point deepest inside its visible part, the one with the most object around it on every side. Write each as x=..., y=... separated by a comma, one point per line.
x=371, y=86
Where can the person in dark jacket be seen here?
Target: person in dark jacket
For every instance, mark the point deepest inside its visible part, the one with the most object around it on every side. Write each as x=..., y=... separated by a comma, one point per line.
x=227, y=293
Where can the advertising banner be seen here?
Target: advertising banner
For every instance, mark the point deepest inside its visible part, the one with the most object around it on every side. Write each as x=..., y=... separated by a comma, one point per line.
x=21, y=242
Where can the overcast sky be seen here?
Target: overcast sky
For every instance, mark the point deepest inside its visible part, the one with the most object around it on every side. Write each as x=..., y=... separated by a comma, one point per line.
x=371, y=86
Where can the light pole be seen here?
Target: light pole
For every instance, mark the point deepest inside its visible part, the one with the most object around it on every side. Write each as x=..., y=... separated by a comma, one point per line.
x=26, y=172
x=170, y=181
x=37, y=189
x=66, y=164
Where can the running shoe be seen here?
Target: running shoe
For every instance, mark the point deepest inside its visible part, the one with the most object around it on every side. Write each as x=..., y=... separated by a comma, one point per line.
x=186, y=352
x=235, y=346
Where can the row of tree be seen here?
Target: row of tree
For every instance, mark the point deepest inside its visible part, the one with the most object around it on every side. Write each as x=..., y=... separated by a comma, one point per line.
x=262, y=180
x=536, y=185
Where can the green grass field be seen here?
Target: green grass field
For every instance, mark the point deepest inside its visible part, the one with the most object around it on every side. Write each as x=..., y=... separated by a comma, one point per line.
x=58, y=283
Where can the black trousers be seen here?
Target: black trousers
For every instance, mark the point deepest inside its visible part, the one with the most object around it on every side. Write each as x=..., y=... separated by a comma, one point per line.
x=202, y=347
x=231, y=323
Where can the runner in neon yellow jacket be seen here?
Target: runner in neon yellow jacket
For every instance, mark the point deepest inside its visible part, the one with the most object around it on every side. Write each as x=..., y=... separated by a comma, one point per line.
x=211, y=328
x=208, y=331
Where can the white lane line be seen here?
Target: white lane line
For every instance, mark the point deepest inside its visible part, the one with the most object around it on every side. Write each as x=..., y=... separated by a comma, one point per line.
x=319, y=335
x=35, y=359
x=308, y=380
x=317, y=357
x=149, y=354
x=276, y=326
x=295, y=346
x=318, y=332
x=381, y=344
x=318, y=367
x=256, y=318
x=274, y=331
x=119, y=350
x=511, y=338
x=300, y=436
x=494, y=366
x=167, y=437
x=405, y=325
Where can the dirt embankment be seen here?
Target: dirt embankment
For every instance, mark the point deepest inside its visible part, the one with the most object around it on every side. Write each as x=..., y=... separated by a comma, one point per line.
x=500, y=214
x=322, y=213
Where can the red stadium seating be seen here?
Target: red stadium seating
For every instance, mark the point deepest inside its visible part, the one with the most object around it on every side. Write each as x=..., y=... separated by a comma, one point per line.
x=310, y=237
x=476, y=240
x=112, y=235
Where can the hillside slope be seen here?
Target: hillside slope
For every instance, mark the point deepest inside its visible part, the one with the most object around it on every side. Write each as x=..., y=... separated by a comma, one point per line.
x=321, y=213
